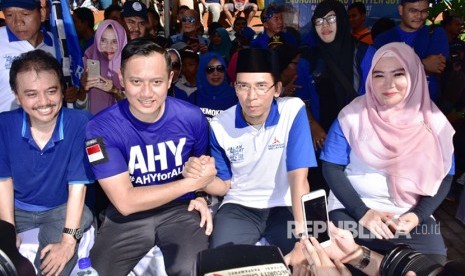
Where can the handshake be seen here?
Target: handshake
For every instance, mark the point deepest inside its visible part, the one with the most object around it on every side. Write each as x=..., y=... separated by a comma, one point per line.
x=200, y=168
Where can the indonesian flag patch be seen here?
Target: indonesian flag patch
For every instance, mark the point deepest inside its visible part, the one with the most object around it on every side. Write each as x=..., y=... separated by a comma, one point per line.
x=96, y=151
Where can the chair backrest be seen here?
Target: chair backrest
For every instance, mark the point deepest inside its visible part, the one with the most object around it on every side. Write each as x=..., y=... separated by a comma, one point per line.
x=238, y=256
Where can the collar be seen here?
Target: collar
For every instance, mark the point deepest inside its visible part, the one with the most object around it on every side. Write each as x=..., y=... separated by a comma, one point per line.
x=185, y=82
x=47, y=38
x=58, y=133
x=271, y=120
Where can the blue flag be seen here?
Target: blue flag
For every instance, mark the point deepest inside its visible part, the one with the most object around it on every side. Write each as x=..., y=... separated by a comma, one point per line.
x=66, y=41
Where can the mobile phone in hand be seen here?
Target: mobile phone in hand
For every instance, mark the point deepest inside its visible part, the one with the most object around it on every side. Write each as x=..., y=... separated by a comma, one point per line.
x=316, y=220
x=93, y=68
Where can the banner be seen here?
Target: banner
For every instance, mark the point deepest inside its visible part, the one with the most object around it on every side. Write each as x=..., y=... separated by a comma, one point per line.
x=66, y=42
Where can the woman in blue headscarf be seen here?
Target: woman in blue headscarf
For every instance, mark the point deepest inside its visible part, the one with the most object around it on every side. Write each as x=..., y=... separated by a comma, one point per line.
x=221, y=43
x=214, y=93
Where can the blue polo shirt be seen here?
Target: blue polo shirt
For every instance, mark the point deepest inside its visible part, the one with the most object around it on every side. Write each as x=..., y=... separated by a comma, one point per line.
x=41, y=177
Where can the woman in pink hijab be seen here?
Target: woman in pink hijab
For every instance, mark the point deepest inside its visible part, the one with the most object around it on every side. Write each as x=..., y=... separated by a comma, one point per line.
x=388, y=158
x=104, y=90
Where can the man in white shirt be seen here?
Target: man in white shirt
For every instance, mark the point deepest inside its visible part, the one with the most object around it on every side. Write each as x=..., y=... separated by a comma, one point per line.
x=22, y=33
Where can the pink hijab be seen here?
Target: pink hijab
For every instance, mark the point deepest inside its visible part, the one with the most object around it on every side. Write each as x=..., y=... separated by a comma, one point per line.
x=411, y=143
x=98, y=99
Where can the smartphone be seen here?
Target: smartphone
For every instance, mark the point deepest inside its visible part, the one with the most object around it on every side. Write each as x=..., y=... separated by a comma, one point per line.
x=315, y=211
x=93, y=68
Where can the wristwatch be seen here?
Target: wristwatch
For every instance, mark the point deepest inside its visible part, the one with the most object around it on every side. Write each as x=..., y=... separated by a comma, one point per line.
x=365, y=258
x=204, y=195
x=76, y=233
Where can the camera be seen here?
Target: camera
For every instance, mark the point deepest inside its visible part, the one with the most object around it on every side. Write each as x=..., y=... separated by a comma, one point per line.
x=402, y=259
x=7, y=268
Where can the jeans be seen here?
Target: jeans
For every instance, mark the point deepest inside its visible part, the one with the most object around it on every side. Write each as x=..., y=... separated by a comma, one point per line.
x=50, y=224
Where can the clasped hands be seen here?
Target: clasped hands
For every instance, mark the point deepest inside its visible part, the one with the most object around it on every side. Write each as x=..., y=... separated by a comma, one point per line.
x=384, y=224
x=203, y=170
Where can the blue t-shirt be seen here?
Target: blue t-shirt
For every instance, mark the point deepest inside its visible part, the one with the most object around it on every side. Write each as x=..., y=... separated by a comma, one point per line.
x=212, y=105
x=425, y=42
x=262, y=40
x=180, y=94
x=41, y=177
x=152, y=153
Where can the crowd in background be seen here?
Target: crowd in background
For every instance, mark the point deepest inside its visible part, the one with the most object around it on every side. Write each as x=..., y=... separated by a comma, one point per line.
x=330, y=70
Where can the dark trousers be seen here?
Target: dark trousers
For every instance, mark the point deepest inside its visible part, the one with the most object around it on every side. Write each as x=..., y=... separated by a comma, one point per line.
x=122, y=241
x=425, y=238
x=237, y=224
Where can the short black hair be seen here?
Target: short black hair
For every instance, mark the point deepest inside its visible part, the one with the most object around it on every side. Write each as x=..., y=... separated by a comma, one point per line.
x=183, y=7
x=110, y=9
x=188, y=53
x=154, y=12
x=143, y=47
x=449, y=17
x=270, y=10
x=240, y=18
x=85, y=15
x=38, y=61
x=359, y=6
x=381, y=25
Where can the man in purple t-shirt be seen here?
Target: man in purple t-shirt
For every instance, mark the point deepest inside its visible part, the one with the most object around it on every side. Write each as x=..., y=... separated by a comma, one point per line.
x=137, y=149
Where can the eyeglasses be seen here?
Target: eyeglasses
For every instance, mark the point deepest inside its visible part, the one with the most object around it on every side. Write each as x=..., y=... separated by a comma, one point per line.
x=260, y=88
x=421, y=12
x=188, y=19
x=175, y=65
x=330, y=19
x=218, y=68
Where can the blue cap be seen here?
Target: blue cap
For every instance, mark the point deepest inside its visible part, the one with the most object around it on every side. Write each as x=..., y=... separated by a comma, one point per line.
x=24, y=4
x=134, y=8
x=248, y=33
x=269, y=11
